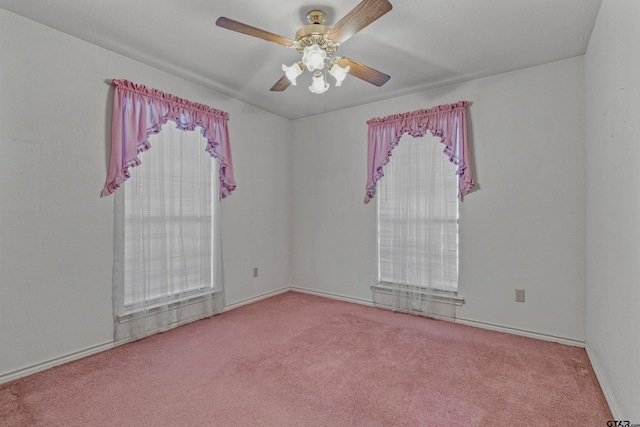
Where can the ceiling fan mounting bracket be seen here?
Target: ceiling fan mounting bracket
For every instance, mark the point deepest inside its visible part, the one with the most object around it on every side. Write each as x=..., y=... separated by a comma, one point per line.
x=316, y=16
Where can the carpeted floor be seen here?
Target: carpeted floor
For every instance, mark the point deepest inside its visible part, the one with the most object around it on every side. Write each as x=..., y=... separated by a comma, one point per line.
x=302, y=360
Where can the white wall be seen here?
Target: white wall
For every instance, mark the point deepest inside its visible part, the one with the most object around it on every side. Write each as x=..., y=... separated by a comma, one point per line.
x=612, y=67
x=56, y=233
x=523, y=228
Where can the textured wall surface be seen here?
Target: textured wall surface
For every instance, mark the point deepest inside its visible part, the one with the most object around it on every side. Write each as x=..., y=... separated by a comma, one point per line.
x=612, y=68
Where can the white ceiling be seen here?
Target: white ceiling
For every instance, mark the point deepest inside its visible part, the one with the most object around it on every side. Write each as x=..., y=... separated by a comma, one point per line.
x=422, y=44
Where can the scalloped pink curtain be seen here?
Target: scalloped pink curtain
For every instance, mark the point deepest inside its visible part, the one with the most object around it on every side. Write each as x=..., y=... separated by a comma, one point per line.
x=139, y=111
x=448, y=122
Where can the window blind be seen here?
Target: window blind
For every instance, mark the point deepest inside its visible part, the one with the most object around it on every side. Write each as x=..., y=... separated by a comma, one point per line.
x=418, y=217
x=168, y=220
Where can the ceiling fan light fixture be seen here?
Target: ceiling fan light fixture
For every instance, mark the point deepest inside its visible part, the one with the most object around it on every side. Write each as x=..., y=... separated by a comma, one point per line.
x=293, y=71
x=339, y=73
x=313, y=57
x=318, y=85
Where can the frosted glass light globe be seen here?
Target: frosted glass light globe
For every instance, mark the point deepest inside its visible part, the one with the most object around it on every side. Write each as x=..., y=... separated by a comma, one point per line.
x=292, y=72
x=339, y=73
x=313, y=57
x=318, y=86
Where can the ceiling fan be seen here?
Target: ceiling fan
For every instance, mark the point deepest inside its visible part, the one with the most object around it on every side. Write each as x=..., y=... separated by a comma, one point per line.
x=318, y=44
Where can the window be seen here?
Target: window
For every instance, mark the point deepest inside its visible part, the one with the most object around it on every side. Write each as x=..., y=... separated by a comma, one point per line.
x=168, y=255
x=167, y=267
x=418, y=217
x=168, y=220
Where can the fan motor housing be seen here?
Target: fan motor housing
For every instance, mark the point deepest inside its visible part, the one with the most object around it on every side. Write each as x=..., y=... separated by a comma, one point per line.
x=311, y=30
x=314, y=34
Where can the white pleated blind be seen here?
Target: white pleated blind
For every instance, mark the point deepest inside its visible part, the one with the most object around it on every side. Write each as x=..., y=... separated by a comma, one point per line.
x=418, y=217
x=168, y=220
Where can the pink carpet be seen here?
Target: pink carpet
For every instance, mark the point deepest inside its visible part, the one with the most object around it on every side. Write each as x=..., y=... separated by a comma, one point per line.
x=301, y=360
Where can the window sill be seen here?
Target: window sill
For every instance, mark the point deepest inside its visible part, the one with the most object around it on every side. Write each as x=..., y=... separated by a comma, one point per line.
x=414, y=291
x=141, y=312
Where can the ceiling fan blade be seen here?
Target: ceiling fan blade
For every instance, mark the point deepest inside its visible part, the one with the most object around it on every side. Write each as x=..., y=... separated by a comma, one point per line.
x=281, y=84
x=239, y=27
x=363, y=72
x=360, y=16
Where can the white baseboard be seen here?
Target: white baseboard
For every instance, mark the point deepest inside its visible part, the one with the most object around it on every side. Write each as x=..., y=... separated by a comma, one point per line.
x=38, y=367
x=604, y=386
x=521, y=332
x=332, y=296
x=256, y=298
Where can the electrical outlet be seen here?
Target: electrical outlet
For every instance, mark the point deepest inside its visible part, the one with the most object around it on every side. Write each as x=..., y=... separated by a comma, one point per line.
x=519, y=295
x=255, y=271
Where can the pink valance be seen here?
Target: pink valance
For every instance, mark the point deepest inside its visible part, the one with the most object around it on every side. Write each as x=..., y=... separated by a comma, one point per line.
x=139, y=111
x=449, y=122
